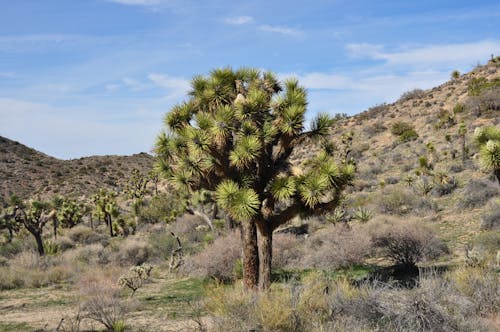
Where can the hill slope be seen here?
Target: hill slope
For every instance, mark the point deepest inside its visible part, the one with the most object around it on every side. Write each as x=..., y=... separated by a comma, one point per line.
x=26, y=172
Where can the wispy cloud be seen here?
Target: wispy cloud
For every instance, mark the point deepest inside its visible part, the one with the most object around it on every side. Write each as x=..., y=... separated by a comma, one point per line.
x=176, y=87
x=282, y=30
x=239, y=20
x=450, y=54
x=134, y=84
x=137, y=2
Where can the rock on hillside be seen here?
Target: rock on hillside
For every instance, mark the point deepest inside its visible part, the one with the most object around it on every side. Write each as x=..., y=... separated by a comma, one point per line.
x=26, y=172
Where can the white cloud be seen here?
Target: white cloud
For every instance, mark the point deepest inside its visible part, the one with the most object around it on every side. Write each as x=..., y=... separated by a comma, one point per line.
x=428, y=55
x=282, y=30
x=176, y=87
x=239, y=20
x=134, y=84
x=363, y=50
x=137, y=2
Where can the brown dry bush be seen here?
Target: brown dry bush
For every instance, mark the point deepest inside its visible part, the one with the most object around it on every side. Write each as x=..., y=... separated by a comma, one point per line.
x=336, y=246
x=397, y=200
x=217, y=260
x=85, y=235
x=320, y=303
x=285, y=250
x=100, y=301
x=478, y=192
x=407, y=242
x=132, y=251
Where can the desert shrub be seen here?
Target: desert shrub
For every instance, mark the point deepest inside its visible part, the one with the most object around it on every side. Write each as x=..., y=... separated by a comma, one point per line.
x=404, y=131
x=161, y=208
x=446, y=188
x=480, y=285
x=10, y=249
x=162, y=244
x=217, y=260
x=407, y=242
x=491, y=218
x=92, y=254
x=86, y=235
x=401, y=201
x=101, y=302
x=187, y=229
x=412, y=94
x=488, y=241
x=133, y=251
x=285, y=250
x=231, y=308
x=335, y=246
x=477, y=192
x=64, y=243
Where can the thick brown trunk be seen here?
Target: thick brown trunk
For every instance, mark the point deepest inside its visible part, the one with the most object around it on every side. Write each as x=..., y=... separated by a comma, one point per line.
x=39, y=243
x=265, y=255
x=497, y=174
x=250, y=255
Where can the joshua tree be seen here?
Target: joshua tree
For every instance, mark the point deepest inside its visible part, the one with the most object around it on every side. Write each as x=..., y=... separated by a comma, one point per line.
x=234, y=136
x=106, y=208
x=8, y=222
x=455, y=75
x=488, y=139
x=34, y=216
x=136, y=188
x=70, y=213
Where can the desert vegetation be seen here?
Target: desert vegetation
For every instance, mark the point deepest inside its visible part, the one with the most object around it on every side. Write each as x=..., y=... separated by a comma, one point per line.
x=250, y=219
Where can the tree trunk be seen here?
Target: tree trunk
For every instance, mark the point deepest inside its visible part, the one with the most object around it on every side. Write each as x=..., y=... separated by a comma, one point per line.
x=39, y=243
x=265, y=255
x=250, y=255
x=497, y=174
x=91, y=221
x=110, y=224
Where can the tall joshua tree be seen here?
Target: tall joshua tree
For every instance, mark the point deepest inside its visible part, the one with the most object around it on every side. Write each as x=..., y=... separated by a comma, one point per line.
x=488, y=140
x=234, y=136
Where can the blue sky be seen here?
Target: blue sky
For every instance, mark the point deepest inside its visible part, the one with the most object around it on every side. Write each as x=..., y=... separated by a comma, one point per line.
x=85, y=77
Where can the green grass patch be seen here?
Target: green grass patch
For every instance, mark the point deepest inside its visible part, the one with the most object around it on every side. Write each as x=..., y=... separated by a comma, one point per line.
x=176, y=298
x=7, y=327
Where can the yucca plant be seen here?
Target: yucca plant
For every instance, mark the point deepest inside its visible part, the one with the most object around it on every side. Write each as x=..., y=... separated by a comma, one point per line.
x=363, y=214
x=488, y=140
x=234, y=137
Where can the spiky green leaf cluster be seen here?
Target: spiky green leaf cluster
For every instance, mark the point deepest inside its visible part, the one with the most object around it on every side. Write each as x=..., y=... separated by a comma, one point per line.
x=235, y=135
x=241, y=203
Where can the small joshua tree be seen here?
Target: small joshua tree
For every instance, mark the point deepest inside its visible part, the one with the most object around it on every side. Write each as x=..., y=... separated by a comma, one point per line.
x=488, y=140
x=455, y=75
x=106, y=208
x=34, y=216
x=135, y=277
x=70, y=213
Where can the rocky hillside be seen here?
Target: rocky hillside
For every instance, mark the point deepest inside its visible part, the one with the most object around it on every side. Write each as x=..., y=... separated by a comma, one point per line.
x=26, y=172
